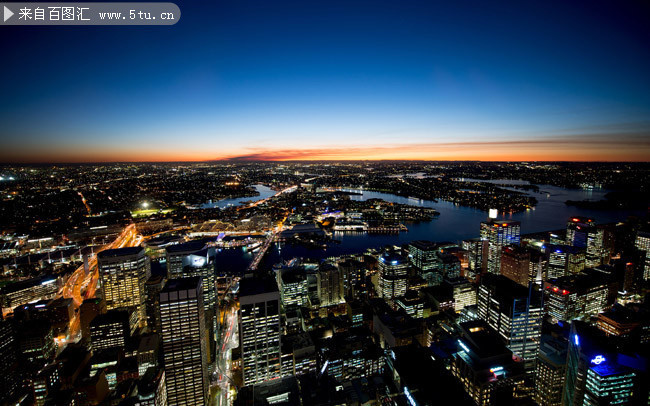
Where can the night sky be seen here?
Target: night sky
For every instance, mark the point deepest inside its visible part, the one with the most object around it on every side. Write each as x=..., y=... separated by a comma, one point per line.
x=264, y=79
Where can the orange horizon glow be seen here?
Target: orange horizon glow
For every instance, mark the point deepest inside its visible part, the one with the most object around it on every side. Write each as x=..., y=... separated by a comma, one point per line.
x=590, y=149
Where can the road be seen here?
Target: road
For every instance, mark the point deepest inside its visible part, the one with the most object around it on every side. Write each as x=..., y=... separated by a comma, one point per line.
x=221, y=377
x=81, y=286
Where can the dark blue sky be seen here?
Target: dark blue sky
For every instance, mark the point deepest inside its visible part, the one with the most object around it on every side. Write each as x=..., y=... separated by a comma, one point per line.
x=335, y=79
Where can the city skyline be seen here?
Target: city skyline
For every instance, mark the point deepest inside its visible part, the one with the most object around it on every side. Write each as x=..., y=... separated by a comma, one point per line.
x=335, y=81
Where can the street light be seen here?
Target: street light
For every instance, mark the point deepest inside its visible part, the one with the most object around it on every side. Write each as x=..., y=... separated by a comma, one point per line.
x=145, y=205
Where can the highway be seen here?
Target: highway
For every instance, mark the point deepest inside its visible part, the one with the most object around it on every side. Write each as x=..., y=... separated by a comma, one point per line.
x=221, y=376
x=81, y=286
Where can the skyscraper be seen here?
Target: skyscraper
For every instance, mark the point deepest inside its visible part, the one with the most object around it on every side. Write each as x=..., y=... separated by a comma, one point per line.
x=643, y=244
x=123, y=273
x=393, y=275
x=582, y=232
x=596, y=373
x=564, y=260
x=259, y=328
x=550, y=371
x=499, y=234
x=330, y=285
x=515, y=312
x=184, y=341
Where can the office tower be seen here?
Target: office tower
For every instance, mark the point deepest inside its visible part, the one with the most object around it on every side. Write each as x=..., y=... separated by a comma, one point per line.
x=643, y=243
x=463, y=293
x=152, y=388
x=27, y=291
x=499, y=234
x=423, y=256
x=123, y=273
x=35, y=340
x=477, y=250
x=259, y=329
x=515, y=312
x=147, y=355
x=175, y=255
x=292, y=283
x=484, y=366
x=10, y=378
x=550, y=371
x=152, y=289
x=576, y=296
x=352, y=354
x=112, y=330
x=412, y=304
x=393, y=274
x=202, y=263
x=564, y=260
x=582, y=232
x=330, y=285
x=596, y=373
x=89, y=309
x=625, y=321
x=354, y=278
x=184, y=341
x=515, y=263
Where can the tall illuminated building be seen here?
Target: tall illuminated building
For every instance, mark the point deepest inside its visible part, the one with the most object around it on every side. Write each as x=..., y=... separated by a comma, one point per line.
x=521, y=265
x=597, y=374
x=393, y=275
x=484, y=366
x=175, y=254
x=259, y=330
x=184, y=341
x=564, y=260
x=550, y=371
x=330, y=284
x=515, y=312
x=499, y=234
x=643, y=243
x=123, y=273
x=582, y=232
x=576, y=296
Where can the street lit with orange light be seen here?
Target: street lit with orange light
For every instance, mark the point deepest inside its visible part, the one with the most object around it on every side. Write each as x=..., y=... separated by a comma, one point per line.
x=81, y=286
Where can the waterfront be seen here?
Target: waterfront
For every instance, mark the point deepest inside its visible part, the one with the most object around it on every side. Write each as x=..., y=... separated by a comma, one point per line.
x=454, y=224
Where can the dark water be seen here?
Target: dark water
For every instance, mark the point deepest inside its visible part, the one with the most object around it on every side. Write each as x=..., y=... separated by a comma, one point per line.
x=264, y=192
x=455, y=223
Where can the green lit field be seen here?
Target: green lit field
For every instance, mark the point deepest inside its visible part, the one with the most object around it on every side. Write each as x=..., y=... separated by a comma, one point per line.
x=149, y=212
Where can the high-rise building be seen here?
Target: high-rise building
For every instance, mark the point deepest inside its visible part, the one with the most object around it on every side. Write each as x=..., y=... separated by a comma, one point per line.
x=330, y=285
x=354, y=278
x=111, y=330
x=596, y=373
x=259, y=329
x=515, y=264
x=463, y=292
x=477, y=249
x=499, y=234
x=550, y=371
x=152, y=289
x=393, y=275
x=202, y=263
x=423, y=255
x=643, y=243
x=576, y=296
x=175, y=255
x=292, y=283
x=564, y=260
x=484, y=366
x=184, y=341
x=123, y=273
x=582, y=232
x=515, y=312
